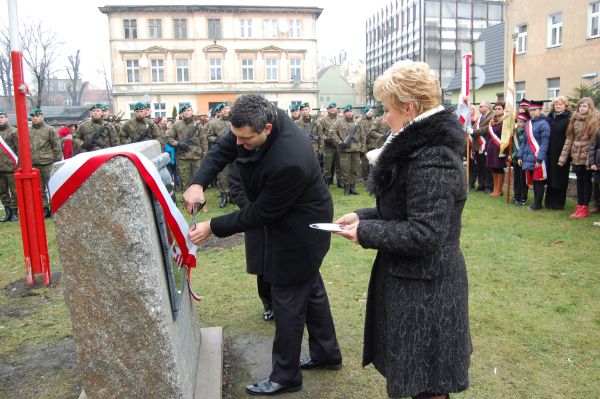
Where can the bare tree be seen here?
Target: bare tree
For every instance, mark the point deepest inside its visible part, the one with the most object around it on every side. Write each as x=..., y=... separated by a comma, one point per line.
x=75, y=87
x=40, y=50
x=6, y=69
x=107, y=87
x=338, y=59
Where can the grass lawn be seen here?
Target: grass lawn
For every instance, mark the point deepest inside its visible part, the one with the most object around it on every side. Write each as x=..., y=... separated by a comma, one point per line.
x=534, y=289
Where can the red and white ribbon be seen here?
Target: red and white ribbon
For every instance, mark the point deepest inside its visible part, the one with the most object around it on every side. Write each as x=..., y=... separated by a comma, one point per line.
x=494, y=136
x=8, y=151
x=78, y=169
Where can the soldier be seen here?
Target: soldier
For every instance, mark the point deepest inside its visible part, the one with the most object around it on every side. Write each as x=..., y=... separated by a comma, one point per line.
x=8, y=192
x=147, y=111
x=95, y=133
x=140, y=128
x=349, y=149
x=218, y=127
x=371, y=134
x=295, y=112
x=45, y=150
x=308, y=126
x=329, y=148
x=190, y=143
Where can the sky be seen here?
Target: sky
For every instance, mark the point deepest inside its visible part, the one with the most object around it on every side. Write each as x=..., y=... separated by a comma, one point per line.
x=80, y=25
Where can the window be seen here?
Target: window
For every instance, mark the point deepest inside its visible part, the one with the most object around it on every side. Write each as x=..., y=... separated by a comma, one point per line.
x=214, y=28
x=295, y=28
x=553, y=88
x=180, y=28
x=155, y=28
x=158, y=71
x=271, y=64
x=295, y=103
x=594, y=20
x=133, y=71
x=131, y=110
x=215, y=69
x=245, y=28
x=270, y=29
x=160, y=110
x=522, y=39
x=296, y=69
x=183, y=71
x=130, y=28
x=555, y=30
x=520, y=90
x=432, y=9
x=247, y=69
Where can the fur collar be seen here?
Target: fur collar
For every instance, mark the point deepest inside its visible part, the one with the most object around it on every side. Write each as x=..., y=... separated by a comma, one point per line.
x=440, y=129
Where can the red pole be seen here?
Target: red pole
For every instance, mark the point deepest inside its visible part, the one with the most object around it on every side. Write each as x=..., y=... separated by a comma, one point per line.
x=27, y=179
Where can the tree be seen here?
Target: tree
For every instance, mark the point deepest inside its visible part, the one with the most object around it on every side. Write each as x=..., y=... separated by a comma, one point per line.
x=6, y=69
x=592, y=91
x=40, y=50
x=75, y=87
x=107, y=87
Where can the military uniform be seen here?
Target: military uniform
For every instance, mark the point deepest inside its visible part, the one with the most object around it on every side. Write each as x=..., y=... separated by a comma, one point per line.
x=45, y=150
x=83, y=138
x=217, y=128
x=349, y=154
x=308, y=126
x=136, y=130
x=329, y=148
x=372, y=128
x=189, y=141
x=8, y=192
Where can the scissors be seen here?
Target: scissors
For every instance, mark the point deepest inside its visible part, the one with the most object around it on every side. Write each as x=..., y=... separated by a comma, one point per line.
x=195, y=208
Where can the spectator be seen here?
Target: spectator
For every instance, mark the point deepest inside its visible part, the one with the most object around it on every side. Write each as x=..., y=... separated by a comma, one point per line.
x=495, y=160
x=519, y=183
x=594, y=160
x=558, y=176
x=66, y=141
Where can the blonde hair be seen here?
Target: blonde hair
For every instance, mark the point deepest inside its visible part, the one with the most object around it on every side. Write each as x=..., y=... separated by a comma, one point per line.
x=408, y=81
x=563, y=100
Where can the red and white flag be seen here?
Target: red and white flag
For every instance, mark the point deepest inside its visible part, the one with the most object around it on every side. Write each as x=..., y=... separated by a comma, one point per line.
x=78, y=169
x=463, y=110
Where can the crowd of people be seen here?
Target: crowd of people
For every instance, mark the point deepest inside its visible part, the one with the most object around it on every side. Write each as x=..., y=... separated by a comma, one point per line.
x=545, y=148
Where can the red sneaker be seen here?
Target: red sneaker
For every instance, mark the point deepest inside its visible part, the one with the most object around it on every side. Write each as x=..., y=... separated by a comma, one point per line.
x=584, y=212
x=576, y=211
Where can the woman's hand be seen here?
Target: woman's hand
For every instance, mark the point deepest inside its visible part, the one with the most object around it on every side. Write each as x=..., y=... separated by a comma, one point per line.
x=348, y=218
x=349, y=231
x=520, y=161
x=594, y=167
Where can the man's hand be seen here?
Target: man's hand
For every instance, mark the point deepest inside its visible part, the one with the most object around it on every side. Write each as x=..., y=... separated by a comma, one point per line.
x=200, y=233
x=183, y=146
x=194, y=194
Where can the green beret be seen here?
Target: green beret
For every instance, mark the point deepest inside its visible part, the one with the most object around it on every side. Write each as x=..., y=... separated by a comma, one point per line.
x=224, y=104
x=36, y=111
x=347, y=108
x=218, y=107
x=2, y=112
x=104, y=107
x=95, y=106
x=147, y=106
x=184, y=106
x=305, y=105
x=367, y=109
x=139, y=106
x=294, y=107
x=332, y=105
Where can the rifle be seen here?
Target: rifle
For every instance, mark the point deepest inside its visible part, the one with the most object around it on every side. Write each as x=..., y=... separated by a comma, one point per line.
x=309, y=133
x=189, y=139
x=142, y=136
x=350, y=137
x=94, y=140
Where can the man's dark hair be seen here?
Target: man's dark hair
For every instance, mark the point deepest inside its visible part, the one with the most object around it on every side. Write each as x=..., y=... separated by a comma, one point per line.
x=254, y=111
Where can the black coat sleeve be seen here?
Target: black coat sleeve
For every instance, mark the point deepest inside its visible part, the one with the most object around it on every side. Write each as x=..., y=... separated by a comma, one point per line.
x=222, y=153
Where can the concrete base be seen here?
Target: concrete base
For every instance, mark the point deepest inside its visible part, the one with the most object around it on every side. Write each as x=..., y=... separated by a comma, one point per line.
x=210, y=365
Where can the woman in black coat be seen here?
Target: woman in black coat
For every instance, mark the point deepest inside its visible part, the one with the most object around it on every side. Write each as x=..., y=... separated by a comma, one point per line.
x=417, y=327
x=558, y=176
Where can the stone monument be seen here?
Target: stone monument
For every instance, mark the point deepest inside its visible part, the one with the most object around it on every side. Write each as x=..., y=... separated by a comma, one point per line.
x=134, y=337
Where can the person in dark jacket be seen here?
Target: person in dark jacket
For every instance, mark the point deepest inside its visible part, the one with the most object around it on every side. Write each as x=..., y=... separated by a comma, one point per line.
x=594, y=162
x=496, y=160
x=533, y=152
x=286, y=192
x=253, y=243
x=417, y=325
x=558, y=176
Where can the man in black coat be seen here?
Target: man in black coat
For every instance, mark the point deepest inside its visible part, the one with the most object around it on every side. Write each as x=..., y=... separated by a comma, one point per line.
x=283, y=182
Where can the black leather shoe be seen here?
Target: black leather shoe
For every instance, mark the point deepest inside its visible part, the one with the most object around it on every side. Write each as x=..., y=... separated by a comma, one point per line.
x=309, y=364
x=269, y=388
x=268, y=315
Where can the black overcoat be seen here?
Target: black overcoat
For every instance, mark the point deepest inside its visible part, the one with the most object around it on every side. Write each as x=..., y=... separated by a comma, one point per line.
x=286, y=190
x=417, y=328
x=558, y=176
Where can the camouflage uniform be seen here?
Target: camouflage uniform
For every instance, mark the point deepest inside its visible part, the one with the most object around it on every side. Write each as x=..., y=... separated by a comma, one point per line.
x=315, y=139
x=329, y=148
x=45, y=150
x=371, y=132
x=133, y=129
x=349, y=156
x=8, y=192
x=215, y=129
x=187, y=162
x=82, y=138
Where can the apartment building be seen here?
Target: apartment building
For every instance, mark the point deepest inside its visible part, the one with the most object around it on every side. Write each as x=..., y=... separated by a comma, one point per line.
x=169, y=54
x=557, y=46
x=432, y=31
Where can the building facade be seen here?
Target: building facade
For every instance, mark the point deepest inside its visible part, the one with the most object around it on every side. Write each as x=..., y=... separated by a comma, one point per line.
x=557, y=46
x=204, y=55
x=431, y=31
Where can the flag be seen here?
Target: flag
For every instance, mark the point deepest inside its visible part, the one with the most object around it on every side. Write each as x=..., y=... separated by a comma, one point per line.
x=509, y=110
x=463, y=110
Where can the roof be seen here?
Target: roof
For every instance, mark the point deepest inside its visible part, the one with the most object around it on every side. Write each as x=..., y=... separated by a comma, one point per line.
x=204, y=8
x=58, y=115
x=494, y=57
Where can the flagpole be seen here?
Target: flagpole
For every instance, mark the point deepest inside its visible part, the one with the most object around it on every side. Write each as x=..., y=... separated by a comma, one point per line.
x=512, y=132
